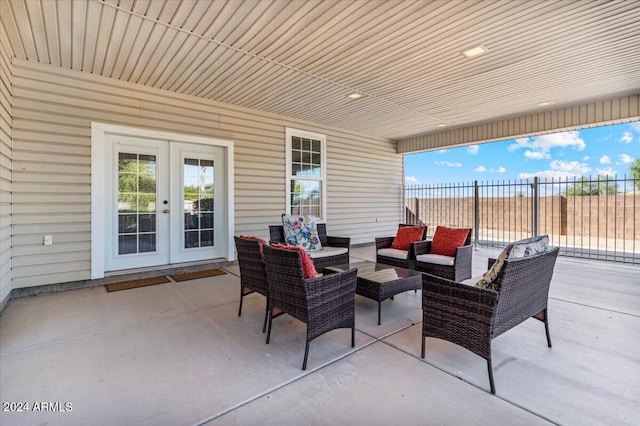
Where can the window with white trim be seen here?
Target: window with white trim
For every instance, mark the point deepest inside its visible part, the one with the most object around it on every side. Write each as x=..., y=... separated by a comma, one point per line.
x=306, y=173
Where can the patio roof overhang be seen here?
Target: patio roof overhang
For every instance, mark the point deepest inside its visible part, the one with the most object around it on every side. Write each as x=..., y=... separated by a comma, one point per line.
x=549, y=66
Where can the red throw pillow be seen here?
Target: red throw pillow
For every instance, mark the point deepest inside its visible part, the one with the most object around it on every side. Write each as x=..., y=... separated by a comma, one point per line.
x=446, y=240
x=407, y=235
x=308, y=268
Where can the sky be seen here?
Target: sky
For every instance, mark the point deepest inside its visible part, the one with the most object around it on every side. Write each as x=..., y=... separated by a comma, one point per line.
x=608, y=150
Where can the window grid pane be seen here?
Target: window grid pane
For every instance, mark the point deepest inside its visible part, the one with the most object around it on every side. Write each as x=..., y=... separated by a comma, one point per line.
x=305, y=197
x=306, y=157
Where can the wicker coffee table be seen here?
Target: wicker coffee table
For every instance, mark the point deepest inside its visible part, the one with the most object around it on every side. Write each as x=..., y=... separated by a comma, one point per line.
x=379, y=282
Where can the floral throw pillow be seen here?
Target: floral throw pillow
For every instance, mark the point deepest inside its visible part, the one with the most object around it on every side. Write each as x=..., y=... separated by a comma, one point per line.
x=488, y=280
x=529, y=247
x=301, y=231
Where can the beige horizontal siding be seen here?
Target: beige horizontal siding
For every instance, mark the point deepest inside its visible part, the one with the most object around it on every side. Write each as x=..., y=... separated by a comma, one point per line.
x=53, y=111
x=612, y=111
x=45, y=274
x=362, y=166
x=6, y=102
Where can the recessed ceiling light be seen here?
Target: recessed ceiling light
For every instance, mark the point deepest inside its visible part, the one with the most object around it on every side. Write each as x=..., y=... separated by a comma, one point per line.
x=441, y=125
x=545, y=103
x=354, y=95
x=475, y=52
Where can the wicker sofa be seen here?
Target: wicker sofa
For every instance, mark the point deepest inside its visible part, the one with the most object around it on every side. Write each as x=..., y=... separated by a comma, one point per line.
x=472, y=317
x=335, y=250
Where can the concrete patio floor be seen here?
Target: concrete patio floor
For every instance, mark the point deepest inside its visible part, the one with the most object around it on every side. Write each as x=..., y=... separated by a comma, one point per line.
x=178, y=354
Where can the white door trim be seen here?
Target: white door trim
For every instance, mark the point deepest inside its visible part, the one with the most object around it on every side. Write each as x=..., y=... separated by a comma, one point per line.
x=98, y=179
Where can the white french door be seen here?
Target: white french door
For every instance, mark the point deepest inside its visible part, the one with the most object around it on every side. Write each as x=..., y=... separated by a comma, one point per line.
x=164, y=202
x=197, y=193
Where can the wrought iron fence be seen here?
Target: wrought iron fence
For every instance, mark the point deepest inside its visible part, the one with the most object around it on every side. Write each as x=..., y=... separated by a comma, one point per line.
x=587, y=217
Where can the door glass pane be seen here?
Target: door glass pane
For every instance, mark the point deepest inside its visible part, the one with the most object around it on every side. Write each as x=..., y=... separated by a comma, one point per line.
x=147, y=222
x=206, y=238
x=127, y=244
x=136, y=203
x=147, y=243
x=198, y=195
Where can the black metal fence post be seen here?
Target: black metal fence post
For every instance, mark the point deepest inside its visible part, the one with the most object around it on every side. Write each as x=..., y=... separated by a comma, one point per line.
x=476, y=215
x=535, y=207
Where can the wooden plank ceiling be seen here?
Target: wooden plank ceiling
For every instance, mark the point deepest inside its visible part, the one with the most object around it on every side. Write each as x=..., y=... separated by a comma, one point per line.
x=301, y=58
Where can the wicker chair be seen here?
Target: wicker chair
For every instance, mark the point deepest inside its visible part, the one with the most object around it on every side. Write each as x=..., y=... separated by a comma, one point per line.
x=458, y=270
x=472, y=317
x=253, y=277
x=324, y=303
x=390, y=256
x=335, y=250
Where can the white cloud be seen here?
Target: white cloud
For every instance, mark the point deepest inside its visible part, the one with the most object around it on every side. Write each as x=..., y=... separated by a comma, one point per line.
x=448, y=164
x=546, y=174
x=636, y=126
x=520, y=143
x=411, y=180
x=625, y=158
x=563, y=140
x=626, y=137
x=586, y=158
x=473, y=149
x=539, y=146
x=537, y=155
x=606, y=172
x=574, y=167
x=560, y=169
x=500, y=170
x=605, y=159
x=480, y=169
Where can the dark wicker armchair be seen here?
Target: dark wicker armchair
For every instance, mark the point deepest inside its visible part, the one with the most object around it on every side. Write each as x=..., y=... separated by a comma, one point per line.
x=253, y=277
x=324, y=303
x=456, y=268
x=335, y=250
x=401, y=258
x=472, y=317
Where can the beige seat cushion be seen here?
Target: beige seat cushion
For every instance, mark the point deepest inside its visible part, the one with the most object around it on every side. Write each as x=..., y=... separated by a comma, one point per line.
x=394, y=253
x=437, y=259
x=327, y=251
x=471, y=281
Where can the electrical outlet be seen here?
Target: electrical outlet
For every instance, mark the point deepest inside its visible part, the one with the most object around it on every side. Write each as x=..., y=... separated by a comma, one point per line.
x=48, y=240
